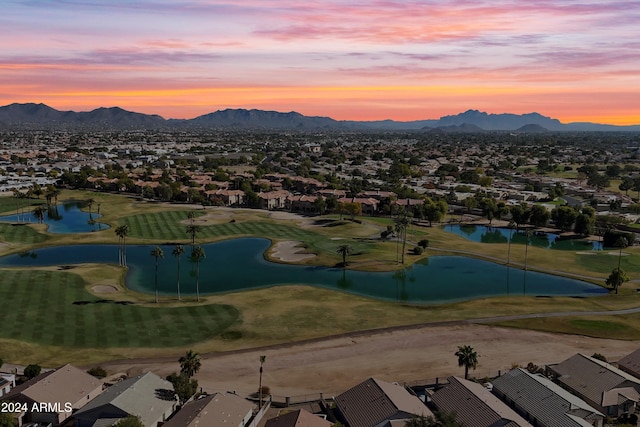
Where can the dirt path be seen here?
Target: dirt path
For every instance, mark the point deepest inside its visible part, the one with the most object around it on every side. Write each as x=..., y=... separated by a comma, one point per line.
x=335, y=364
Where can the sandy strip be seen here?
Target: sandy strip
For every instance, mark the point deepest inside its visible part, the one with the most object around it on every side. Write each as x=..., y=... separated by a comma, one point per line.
x=289, y=251
x=335, y=364
x=104, y=289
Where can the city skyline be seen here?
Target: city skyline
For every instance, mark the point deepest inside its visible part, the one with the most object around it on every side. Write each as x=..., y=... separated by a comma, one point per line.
x=409, y=60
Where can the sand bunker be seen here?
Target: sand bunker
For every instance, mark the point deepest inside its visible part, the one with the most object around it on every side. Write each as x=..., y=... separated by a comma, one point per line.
x=290, y=251
x=104, y=289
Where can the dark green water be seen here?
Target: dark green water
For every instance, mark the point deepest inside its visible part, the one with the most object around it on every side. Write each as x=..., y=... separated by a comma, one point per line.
x=239, y=264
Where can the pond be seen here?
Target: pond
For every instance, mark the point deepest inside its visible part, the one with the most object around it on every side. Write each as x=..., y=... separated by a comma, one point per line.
x=484, y=234
x=66, y=218
x=239, y=264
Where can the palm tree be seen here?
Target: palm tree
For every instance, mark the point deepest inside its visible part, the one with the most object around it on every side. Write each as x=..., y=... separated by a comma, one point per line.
x=468, y=358
x=196, y=255
x=344, y=250
x=526, y=252
x=90, y=203
x=38, y=212
x=190, y=363
x=122, y=232
x=157, y=253
x=191, y=215
x=510, y=226
x=17, y=194
x=262, y=359
x=621, y=242
x=402, y=222
x=177, y=252
x=55, y=193
x=192, y=230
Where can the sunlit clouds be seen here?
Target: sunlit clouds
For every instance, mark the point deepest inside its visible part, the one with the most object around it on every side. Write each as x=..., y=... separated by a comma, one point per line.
x=405, y=60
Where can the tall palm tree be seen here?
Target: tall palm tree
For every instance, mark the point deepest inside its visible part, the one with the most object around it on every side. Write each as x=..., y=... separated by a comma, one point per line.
x=157, y=253
x=38, y=212
x=190, y=363
x=468, y=358
x=621, y=243
x=177, y=252
x=262, y=360
x=510, y=226
x=345, y=251
x=196, y=255
x=527, y=233
x=17, y=194
x=90, y=203
x=402, y=223
x=122, y=232
x=193, y=230
x=191, y=215
x=55, y=193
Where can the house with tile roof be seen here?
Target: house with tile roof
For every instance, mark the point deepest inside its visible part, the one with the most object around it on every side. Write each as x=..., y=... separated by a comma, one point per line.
x=220, y=409
x=631, y=363
x=373, y=403
x=146, y=396
x=543, y=402
x=474, y=405
x=298, y=418
x=603, y=386
x=61, y=390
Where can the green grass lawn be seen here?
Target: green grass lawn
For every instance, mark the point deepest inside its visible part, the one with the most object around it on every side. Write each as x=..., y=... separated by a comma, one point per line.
x=9, y=204
x=20, y=234
x=53, y=308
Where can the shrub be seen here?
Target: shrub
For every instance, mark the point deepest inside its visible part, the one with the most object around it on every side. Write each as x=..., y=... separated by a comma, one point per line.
x=418, y=250
x=599, y=356
x=424, y=243
x=97, y=372
x=32, y=371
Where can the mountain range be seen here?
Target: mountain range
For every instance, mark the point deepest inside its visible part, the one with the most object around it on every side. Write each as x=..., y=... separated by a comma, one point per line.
x=41, y=116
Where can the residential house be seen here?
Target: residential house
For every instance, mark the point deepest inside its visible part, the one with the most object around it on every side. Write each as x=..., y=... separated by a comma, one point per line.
x=274, y=199
x=603, y=386
x=303, y=204
x=61, y=390
x=544, y=403
x=220, y=409
x=298, y=418
x=631, y=363
x=226, y=197
x=333, y=192
x=379, y=195
x=408, y=204
x=474, y=405
x=373, y=403
x=146, y=396
x=369, y=206
x=7, y=381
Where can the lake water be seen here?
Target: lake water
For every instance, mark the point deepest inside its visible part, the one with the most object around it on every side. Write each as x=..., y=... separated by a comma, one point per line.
x=239, y=264
x=65, y=218
x=484, y=234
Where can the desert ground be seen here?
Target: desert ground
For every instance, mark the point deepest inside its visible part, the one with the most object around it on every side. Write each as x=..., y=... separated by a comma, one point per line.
x=332, y=365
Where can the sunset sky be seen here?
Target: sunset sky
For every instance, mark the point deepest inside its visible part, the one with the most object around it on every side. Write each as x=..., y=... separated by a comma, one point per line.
x=350, y=60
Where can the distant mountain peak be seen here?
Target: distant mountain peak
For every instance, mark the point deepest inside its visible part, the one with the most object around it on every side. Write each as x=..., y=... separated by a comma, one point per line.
x=32, y=115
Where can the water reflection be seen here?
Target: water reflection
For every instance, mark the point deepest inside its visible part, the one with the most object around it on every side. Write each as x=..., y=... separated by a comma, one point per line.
x=485, y=234
x=66, y=218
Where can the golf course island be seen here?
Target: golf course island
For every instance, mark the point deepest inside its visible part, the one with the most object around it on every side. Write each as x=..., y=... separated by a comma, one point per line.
x=148, y=278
